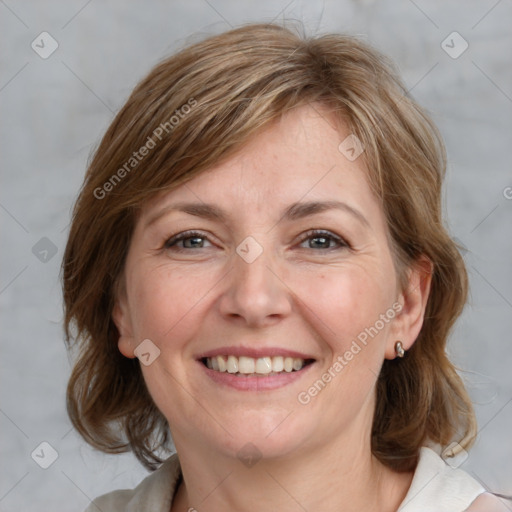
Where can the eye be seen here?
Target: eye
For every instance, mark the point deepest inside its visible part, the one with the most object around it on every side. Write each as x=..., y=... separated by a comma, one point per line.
x=187, y=240
x=320, y=239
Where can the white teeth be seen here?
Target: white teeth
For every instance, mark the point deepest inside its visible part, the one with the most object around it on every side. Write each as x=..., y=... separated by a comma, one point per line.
x=250, y=366
x=264, y=365
x=232, y=364
x=221, y=362
x=246, y=364
x=277, y=364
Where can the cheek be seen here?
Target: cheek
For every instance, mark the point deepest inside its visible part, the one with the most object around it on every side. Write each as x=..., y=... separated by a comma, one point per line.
x=168, y=307
x=349, y=301
x=164, y=302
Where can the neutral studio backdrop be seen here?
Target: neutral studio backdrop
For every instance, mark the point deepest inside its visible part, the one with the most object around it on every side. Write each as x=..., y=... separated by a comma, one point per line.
x=54, y=111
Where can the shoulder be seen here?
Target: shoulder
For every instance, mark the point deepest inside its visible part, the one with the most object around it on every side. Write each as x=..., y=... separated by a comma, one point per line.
x=440, y=486
x=115, y=501
x=154, y=493
x=487, y=502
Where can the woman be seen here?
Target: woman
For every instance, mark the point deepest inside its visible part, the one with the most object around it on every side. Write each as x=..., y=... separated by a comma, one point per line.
x=257, y=266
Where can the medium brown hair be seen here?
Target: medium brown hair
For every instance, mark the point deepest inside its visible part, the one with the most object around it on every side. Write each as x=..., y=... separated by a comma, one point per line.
x=194, y=110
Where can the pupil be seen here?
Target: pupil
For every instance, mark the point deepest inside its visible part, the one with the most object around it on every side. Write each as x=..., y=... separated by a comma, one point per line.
x=320, y=241
x=195, y=241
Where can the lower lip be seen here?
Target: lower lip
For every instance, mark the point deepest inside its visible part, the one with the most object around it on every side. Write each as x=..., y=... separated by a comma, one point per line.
x=255, y=383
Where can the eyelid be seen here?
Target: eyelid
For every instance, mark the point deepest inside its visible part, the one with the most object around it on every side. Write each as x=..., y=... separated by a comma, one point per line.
x=324, y=232
x=311, y=233
x=189, y=233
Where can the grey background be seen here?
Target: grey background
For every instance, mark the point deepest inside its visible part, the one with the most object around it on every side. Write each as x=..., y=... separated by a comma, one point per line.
x=54, y=111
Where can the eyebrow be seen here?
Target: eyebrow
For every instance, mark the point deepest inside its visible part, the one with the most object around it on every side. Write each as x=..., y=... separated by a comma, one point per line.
x=295, y=211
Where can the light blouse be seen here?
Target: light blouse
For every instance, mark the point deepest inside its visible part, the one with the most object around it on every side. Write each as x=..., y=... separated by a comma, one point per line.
x=436, y=487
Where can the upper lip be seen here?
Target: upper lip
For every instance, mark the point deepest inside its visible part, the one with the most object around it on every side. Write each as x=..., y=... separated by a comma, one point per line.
x=254, y=352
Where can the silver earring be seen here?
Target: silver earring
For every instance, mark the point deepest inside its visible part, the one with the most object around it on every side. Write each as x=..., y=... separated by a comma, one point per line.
x=399, y=349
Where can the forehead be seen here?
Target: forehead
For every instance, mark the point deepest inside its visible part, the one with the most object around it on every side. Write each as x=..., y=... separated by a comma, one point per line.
x=297, y=158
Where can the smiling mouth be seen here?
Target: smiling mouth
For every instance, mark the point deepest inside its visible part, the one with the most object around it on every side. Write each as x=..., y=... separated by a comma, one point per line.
x=255, y=367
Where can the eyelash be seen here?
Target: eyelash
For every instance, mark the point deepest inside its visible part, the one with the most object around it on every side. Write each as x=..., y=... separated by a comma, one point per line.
x=182, y=236
x=311, y=234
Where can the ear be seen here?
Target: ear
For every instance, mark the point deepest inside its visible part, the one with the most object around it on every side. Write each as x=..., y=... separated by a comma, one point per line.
x=407, y=323
x=122, y=319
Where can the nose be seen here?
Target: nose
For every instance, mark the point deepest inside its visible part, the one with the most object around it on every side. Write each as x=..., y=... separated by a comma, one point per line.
x=255, y=294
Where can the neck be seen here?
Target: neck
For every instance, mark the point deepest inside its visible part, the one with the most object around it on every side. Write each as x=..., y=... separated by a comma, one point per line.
x=343, y=474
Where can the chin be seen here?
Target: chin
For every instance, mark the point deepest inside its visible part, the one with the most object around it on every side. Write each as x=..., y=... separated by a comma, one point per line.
x=275, y=434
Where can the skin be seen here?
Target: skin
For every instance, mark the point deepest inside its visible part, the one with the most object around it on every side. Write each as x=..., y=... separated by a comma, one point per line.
x=302, y=293
x=487, y=502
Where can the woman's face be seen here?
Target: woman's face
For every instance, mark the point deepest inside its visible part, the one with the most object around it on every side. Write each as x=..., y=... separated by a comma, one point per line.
x=276, y=260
